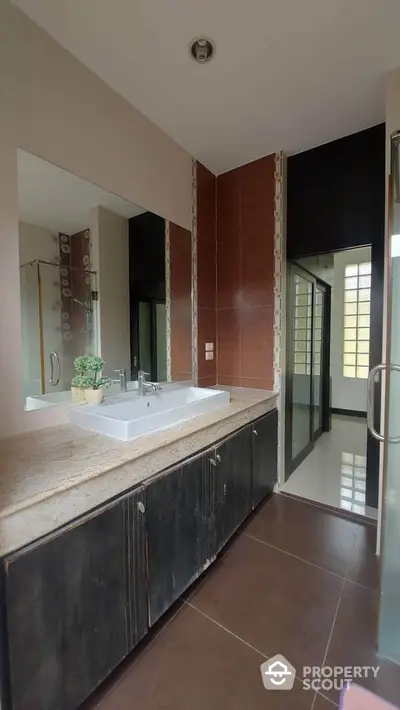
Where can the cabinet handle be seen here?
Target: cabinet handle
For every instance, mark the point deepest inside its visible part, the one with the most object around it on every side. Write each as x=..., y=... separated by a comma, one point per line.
x=225, y=489
x=255, y=432
x=141, y=507
x=218, y=457
x=212, y=461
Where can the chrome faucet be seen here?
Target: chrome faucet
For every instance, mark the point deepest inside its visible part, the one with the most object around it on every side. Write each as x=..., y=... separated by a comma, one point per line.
x=144, y=385
x=121, y=379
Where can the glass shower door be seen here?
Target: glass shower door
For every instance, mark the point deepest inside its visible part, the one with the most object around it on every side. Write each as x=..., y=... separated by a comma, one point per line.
x=32, y=379
x=307, y=382
x=68, y=321
x=299, y=348
x=58, y=321
x=389, y=624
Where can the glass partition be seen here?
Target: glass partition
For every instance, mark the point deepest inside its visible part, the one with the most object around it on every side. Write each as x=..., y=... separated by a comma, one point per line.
x=307, y=384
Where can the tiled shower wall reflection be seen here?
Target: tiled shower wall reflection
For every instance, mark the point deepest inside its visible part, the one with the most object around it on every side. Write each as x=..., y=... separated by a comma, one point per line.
x=206, y=275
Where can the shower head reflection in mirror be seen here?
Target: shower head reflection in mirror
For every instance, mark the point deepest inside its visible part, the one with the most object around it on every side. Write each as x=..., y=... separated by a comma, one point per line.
x=98, y=275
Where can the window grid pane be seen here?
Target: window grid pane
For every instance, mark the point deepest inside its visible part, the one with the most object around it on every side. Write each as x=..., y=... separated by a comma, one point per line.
x=302, y=327
x=356, y=325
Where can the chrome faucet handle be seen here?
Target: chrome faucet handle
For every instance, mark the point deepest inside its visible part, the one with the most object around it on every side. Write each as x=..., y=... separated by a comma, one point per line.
x=154, y=386
x=122, y=378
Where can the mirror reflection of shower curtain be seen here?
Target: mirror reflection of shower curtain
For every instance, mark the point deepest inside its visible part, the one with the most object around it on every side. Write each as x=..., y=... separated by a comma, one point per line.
x=55, y=318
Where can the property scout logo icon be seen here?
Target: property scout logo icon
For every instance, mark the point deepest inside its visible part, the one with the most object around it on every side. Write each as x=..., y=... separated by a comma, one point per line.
x=278, y=673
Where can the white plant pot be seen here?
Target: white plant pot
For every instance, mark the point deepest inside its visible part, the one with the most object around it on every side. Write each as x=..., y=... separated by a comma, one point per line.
x=78, y=394
x=94, y=396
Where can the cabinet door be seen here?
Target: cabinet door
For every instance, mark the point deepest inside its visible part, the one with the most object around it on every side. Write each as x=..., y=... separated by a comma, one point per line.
x=177, y=533
x=72, y=610
x=233, y=484
x=264, y=455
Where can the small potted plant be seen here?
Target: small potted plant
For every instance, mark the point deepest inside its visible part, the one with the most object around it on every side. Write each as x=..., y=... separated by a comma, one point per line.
x=79, y=381
x=95, y=384
x=89, y=379
x=78, y=384
x=94, y=390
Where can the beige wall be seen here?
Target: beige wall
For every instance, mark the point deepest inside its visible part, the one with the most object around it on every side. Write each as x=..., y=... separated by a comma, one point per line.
x=54, y=107
x=110, y=258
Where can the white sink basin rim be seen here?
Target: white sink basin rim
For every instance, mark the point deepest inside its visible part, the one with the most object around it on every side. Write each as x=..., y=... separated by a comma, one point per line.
x=128, y=416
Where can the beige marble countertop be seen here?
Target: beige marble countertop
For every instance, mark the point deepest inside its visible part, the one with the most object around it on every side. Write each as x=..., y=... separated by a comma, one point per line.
x=52, y=476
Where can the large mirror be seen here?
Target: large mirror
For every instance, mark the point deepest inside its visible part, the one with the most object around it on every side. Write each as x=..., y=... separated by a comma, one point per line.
x=99, y=276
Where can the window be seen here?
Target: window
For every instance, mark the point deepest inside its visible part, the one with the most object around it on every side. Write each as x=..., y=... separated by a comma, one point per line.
x=302, y=327
x=357, y=309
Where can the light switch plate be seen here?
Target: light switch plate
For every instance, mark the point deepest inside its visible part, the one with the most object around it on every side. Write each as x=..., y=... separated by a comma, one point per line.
x=209, y=346
x=209, y=355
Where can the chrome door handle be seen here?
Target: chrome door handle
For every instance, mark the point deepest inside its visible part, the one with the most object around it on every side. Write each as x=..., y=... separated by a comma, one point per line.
x=54, y=358
x=371, y=403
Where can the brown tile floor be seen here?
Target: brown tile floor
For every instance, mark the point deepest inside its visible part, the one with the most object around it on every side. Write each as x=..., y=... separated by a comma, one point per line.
x=297, y=580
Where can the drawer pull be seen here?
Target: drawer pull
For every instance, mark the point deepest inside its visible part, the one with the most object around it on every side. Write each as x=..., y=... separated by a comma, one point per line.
x=218, y=457
x=255, y=432
x=141, y=507
x=212, y=461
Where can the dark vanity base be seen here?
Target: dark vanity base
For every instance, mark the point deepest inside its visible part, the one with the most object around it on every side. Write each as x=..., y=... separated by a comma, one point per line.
x=76, y=602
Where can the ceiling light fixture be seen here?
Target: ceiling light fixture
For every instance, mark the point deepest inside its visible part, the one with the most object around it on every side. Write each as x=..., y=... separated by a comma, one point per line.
x=202, y=50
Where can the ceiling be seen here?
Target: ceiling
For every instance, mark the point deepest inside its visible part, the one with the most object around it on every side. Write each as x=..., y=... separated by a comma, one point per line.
x=287, y=74
x=55, y=199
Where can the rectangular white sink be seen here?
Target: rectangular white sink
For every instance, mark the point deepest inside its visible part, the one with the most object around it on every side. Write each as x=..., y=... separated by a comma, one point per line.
x=128, y=416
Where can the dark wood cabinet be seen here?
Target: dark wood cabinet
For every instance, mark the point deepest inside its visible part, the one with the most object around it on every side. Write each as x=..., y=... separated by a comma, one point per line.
x=231, y=469
x=264, y=456
x=177, y=533
x=76, y=605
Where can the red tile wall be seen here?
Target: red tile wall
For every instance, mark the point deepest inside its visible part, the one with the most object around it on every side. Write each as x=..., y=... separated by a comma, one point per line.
x=206, y=273
x=245, y=275
x=181, y=302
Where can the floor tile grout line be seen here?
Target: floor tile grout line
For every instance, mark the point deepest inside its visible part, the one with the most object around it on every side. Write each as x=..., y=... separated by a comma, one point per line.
x=238, y=638
x=138, y=655
x=228, y=631
x=330, y=637
x=220, y=556
x=363, y=586
x=296, y=557
x=334, y=620
x=339, y=512
x=332, y=702
x=317, y=693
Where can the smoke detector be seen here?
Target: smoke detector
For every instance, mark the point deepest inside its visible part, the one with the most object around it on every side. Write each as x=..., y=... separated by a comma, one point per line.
x=202, y=50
